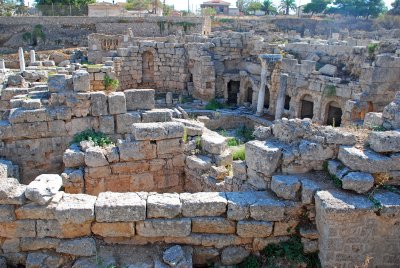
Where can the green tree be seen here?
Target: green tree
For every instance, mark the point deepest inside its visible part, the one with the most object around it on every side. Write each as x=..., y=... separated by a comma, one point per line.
x=32, y=38
x=208, y=11
x=63, y=7
x=287, y=5
x=316, y=6
x=148, y=5
x=269, y=7
x=168, y=9
x=358, y=8
x=253, y=6
x=11, y=7
x=395, y=8
x=242, y=4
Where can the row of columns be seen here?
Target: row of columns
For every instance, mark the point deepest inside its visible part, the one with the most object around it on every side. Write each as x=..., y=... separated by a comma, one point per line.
x=266, y=59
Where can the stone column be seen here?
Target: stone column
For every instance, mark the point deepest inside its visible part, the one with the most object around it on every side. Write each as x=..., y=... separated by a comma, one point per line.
x=21, y=59
x=280, y=101
x=168, y=99
x=33, y=56
x=265, y=59
x=2, y=66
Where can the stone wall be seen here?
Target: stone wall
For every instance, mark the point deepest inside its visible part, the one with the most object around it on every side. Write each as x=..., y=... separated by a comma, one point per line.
x=73, y=31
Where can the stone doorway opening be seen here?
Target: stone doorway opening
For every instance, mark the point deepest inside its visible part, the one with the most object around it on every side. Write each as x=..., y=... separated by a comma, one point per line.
x=233, y=90
x=286, y=106
x=249, y=94
x=147, y=67
x=334, y=114
x=307, y=107
x=266, y=98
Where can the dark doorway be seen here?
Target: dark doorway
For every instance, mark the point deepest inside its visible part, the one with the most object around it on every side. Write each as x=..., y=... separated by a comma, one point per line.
x=307, y=107
x=334, y=117
x=266, y=98
x=287, y=102
x=233, y=90
x=249, y=95
x=147, y=67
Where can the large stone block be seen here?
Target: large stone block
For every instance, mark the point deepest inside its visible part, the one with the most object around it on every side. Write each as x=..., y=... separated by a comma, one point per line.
x=119, y=207
x=136, y=150
x=78, y=247
x=203, y=204
x=30, y=244
x=213, y=143
x=239, y=203
x=286, y=186
x=114, y=229
x=314, y=151
x=213, y=225
x=43, y=188
x=384, y=141
x=57, y=229
x=200, y=163
x=75, y=208
x=73, y=157
x=57, y=83
x=125, y=121
x=163, y=206
x=11, y=192
x=234, y=255
x=6, y=169
x=367, y=160
x=157, y=131
x=98, y=102
x=361, y=182
x=19, y=228
x=157, y=115
x=251, y=229
x=268, y=209
x=262, y=157
x=139, y=99
x=94, y=157
x=164, y=227
x=117, y=103
x=170, y=146
x=81, y=81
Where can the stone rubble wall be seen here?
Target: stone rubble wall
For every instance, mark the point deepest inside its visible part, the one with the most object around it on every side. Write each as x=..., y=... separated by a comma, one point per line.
x=153, y=163
x=44, y=122
x=73, y=31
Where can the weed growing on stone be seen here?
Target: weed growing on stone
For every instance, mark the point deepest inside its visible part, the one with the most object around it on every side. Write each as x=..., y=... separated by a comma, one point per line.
x=377, y=128
x=98, y=138
x=198, y=143
x=246, y=133
x=371, y=48
x=110, y=84
x=239, y=153
x=214, y=105
x=185, y=135
x=233, y=142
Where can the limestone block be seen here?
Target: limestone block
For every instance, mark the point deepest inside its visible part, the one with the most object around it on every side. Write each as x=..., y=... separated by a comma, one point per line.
x=157, y=115
x=308, y=190
x=176, y=257
x=98, y=102
x=157, y=131
x=116, y=103
x=30, y=244
x=203, y=204
x=203, y=255
x=367, y=160
x=268, y=209
x=34, y=211
x=73, y=157
x=94, y=157
x=114, y=229
x=213, y=225
x=116, y=207
x=19, y=115
x=234, y=255
x=224, y=159
x=137, y=150
x=252, y=229
x=139, y=99
x=19, y=228
x=360, y=182
x=54, y=228
x=337, y=137
x=125, y=121
x=199, y=163
x=314, y=151
x=11, y=191
x=43, y=188
x=309, y=233
x=213, y=143
x=169, y=146
x=309, y=246
x=57, y=83
x=78, y=247
x=106, y=124
x=239, y=203
x=286, y=186
x=262, y=157
x=373, y=120
x=44, y=259
x=81, y=80
x=31, y=104
x=239, y=169
x=384, y=141
x=328, y=69
x=75, y=208
x=7, y=213
x=163, y=206
x=218, y=173
x=262, y=133
x=6, y=169
x=164, y=227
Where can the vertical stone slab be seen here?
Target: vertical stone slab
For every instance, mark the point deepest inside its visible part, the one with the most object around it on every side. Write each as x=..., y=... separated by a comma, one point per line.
x=21, y=59
x=32, y=55
x=280, y=103
x=2, y=66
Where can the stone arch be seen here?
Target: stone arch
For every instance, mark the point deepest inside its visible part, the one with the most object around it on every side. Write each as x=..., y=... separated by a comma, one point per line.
x=306, y=107
x=147, y=67
x=333, y=114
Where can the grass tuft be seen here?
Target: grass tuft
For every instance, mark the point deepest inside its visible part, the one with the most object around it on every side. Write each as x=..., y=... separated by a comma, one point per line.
x=239, y=153
x=98, y=138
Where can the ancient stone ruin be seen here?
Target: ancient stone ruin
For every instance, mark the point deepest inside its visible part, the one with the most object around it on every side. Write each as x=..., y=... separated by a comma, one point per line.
x=203, y=147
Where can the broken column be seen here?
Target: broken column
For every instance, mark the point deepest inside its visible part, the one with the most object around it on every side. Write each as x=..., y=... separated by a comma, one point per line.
x=280, y=102
x=32, y=55
x=265, y=59
x=21, y=59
